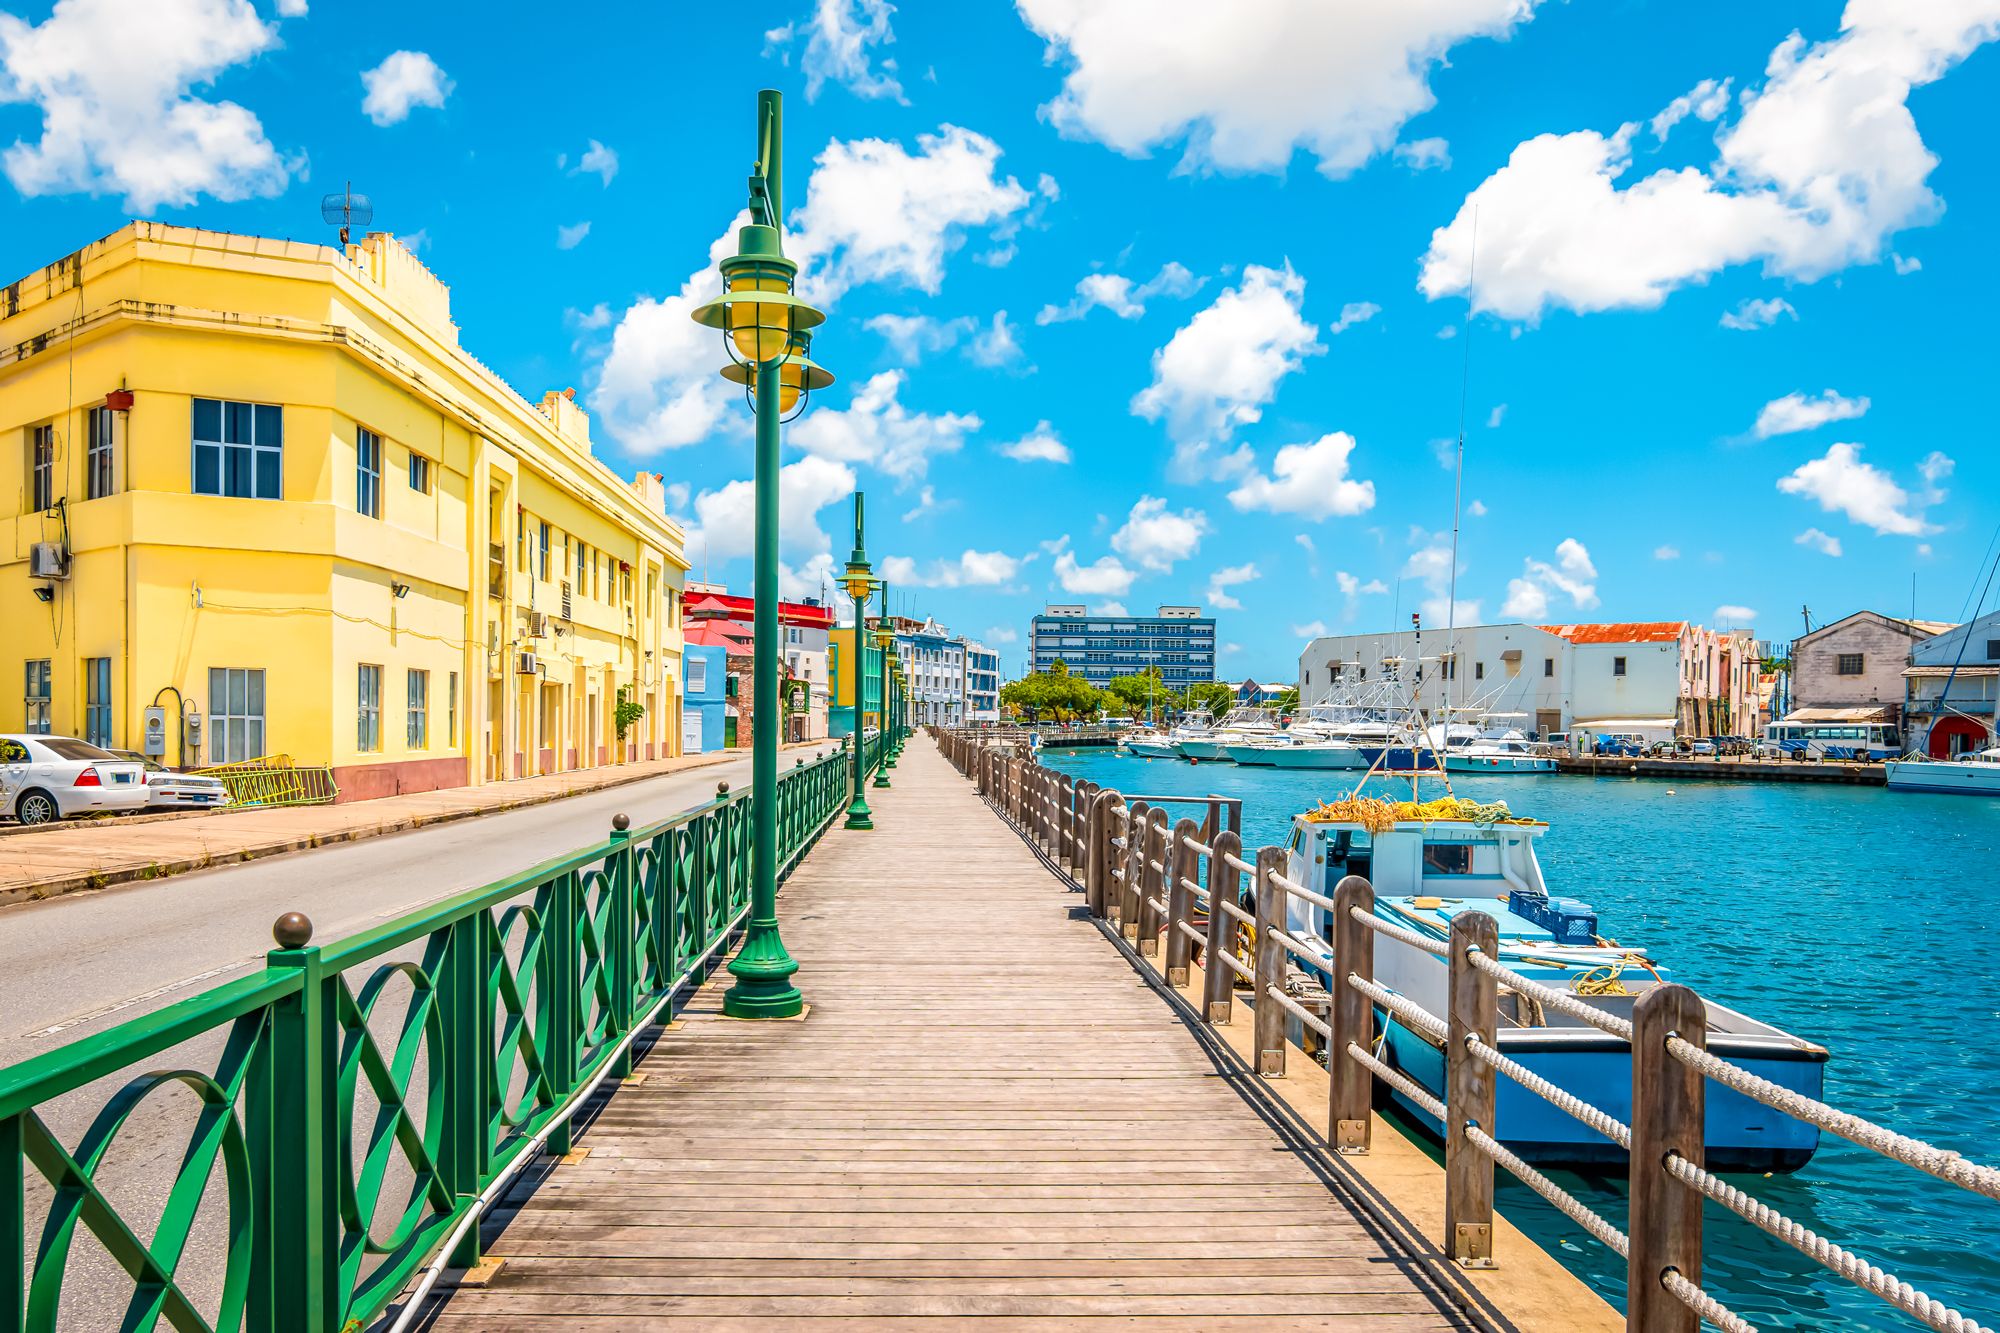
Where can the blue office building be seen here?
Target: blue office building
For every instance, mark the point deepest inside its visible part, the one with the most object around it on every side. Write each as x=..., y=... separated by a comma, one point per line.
x=1179, y=640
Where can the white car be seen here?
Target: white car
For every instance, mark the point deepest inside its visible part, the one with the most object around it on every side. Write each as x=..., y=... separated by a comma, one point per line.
x=46, y=778
x=170, y=790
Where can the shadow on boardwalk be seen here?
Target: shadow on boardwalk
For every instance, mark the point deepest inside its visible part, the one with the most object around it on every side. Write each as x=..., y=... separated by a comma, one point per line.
x=984, y=1114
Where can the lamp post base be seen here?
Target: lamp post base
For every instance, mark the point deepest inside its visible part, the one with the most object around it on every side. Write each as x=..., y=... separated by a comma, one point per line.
x=763, y=972
x=881, y=777
x=858, y=813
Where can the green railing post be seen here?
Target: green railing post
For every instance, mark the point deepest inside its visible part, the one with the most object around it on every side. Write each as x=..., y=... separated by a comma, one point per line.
x=465, y=1155
x=662, y=919
x=294, y=1137
x=621, y=929
x=13, y=1225
x=559, y=996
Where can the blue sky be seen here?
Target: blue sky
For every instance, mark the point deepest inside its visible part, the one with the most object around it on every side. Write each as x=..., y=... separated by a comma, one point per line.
x=1141, y=301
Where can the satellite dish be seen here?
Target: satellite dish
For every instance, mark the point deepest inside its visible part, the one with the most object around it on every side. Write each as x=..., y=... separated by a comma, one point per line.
x=346, y=210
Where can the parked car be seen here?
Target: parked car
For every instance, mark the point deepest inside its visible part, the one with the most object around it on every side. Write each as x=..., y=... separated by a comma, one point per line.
x=46, y=778
x=1702, y=747
x=169, y=790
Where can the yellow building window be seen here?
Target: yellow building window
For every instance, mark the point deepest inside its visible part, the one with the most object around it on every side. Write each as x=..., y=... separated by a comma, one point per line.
x=42, y=469
x=368, y=709
x=417, y=700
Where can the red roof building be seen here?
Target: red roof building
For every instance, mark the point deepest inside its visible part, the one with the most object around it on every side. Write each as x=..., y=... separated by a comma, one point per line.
x=1624, y=631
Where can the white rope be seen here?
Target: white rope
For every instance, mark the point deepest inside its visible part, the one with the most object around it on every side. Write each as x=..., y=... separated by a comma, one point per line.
x=1201, y=848
x=1231, y=858
x=1396, y=1081
x=1157, y=904
x=1554, y=999
x=1569, y=1103
x=1296, y=947
x=1237, y=964
x=1705, y=1305
x=1191, y=885
x=1577, y=1211
x=1395, y=932
x=1413, y=1014
x=1940, y=1162
x=1301, y=891
x=1189, y=931
x=1820, y=1250
x=1236, y=913
x=1299, y=1011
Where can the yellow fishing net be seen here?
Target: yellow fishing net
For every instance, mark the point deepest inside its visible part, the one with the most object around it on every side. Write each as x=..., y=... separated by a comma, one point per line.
x=1379, y=816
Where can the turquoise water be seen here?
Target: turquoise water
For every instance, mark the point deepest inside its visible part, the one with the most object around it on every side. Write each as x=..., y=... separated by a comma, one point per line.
x=1851, y=916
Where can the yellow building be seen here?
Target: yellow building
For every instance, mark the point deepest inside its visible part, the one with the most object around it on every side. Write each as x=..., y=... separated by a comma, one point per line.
x=260, y=484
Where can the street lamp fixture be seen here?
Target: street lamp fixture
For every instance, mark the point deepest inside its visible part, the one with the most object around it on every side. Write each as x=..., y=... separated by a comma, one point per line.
x=859, y=579
x=766, y=330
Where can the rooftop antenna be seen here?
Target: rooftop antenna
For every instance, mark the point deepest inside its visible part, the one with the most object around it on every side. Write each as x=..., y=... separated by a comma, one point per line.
x=346, y=210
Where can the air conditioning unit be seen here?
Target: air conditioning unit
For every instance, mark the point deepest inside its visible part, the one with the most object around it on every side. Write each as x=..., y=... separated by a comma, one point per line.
x=47, y=561
x=538, y=625
x=526, y=664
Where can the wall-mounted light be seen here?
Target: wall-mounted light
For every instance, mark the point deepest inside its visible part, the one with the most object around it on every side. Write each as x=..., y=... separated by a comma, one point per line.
x=401, y=590
x=45, y=592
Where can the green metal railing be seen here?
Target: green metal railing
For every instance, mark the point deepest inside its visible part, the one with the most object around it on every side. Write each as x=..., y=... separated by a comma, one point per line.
x=515, y=998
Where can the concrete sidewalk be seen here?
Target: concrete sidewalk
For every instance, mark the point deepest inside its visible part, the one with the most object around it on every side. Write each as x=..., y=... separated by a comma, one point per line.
x=55, y=859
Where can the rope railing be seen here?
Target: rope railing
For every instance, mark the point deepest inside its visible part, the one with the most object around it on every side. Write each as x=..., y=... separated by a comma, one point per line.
x=1200, y=893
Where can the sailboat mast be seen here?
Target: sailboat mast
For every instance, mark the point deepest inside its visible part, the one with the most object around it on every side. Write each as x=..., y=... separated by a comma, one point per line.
x=1458, y=480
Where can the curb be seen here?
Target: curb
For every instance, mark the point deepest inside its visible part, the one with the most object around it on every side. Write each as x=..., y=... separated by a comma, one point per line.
x=154, y=870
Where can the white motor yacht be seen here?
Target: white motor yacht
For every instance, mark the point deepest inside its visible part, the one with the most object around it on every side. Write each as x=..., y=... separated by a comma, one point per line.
x=1975, y=773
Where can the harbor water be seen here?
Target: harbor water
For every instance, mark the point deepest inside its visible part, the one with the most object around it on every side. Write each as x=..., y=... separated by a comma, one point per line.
x=1851, y=916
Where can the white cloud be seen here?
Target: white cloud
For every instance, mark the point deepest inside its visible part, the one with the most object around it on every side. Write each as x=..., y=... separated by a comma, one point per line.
x=1424, y=154
x=724, y=525
x=416, y=242
x=1821, y=167
x=292, y=9
x=1310, y=480
x=1573, y=574
x=1218, y=595
x=1355, y=312
x=568, y=238
x=1431, y=565
x=677, y=493
x=1112, y=608
x=1154, y=537
x=1934, y=468
x=1352, y=590
x=1841, y=483
x=1246, y=84
x=1666, y=553
x=926, y=505
x=878, y=430
x=1102, y=577
x=1493, y=418
x=840, y=36
x=1040, y=445
x=657, y=387
x=401, y=83
x=1222, y=368
x=111, y=80
x=1448, y=332
x=1906, y=264
x=1728, y=615
x=1002, y=634
x=598, y=316
x=1312, y=629
x=1477, y=509
x=1797, y=412
x=1707, y=100
x=972, y=569
x=912, y=337
x=1758, y=314
x=1305, y=541
x=1115, y=292
x=598, y=159
x=1818, y=541
x=995, y=344
x=875, y=212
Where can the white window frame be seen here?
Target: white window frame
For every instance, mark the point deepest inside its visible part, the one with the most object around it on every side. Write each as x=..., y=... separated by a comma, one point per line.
x=235, y=733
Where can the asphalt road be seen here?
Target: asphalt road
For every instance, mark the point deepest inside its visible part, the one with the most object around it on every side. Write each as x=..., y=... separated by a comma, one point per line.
x=75, y=965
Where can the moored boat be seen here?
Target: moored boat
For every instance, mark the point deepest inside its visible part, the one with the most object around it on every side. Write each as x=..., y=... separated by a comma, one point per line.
x=1974, y=774
x=1429, y=863
x=1240, y=726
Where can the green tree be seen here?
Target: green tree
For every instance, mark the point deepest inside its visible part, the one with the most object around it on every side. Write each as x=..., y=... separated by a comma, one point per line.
x=1135, y=695
x=1212, y=695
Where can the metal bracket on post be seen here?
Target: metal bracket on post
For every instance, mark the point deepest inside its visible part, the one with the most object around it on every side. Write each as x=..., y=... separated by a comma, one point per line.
x=1180, y=863
x=1469, y=1093
x=1225, y=885
x=1667, y=1107
x=1350, y=1105
x=1270, y=1029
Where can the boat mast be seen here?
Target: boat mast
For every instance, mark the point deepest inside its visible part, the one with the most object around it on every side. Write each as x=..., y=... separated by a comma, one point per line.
x=1458, y=481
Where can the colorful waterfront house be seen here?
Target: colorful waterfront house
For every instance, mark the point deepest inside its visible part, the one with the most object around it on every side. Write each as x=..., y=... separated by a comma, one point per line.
x=704, y=693
x=803, y=629
x=1851, y=671
x=261, y=485
x=1952, y=685
x=840, y=653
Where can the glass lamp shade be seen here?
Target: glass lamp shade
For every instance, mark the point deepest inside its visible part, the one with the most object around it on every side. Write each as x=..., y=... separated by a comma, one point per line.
x=796, y=376
x=762, y=330
x=858, y=582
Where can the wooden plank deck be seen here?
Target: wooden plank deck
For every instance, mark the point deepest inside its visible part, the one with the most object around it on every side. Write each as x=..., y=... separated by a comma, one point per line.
x=985, y=1114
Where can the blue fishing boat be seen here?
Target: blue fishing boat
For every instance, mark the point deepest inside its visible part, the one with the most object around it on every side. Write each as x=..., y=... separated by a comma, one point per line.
x=1431, y=862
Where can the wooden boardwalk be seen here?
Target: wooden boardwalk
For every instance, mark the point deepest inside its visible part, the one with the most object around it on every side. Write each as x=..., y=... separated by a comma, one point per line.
x=985, y=1114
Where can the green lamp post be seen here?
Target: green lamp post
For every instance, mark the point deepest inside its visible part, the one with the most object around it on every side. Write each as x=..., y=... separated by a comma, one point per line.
x=767, y=333
x=858, y=580
x=885, y=639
